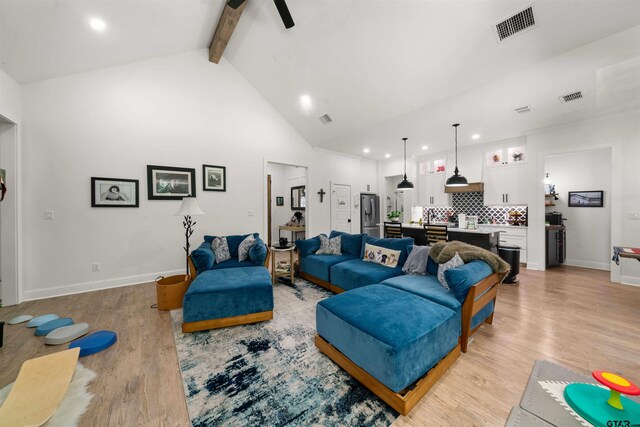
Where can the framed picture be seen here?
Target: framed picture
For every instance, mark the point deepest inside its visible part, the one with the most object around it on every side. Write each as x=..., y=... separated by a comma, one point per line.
x=586, y=199
x=169, y=183
x=279, y=201
x=214, y=178
x=114, y=193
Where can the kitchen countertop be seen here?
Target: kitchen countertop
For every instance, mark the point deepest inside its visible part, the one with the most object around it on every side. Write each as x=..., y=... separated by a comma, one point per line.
x=479, y=230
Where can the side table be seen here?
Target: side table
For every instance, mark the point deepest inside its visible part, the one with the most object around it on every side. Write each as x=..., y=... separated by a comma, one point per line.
x=279, y=270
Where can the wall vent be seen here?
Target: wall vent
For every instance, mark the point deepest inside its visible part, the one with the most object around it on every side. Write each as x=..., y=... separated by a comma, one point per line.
x=522, y=110
x=570, y=97
x=515, y=24
x=326, y=119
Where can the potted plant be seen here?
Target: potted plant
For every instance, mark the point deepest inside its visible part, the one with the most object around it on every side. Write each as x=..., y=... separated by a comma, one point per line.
x=394, y=216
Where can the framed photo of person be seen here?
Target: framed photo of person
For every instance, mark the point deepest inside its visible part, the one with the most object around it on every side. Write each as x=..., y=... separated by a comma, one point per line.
x=169, y=183
x=214, y=178
x=114, y=193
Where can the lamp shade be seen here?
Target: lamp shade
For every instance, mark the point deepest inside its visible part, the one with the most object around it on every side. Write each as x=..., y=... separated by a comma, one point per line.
x=456, y=180
x=405, y=184
x=189, y=206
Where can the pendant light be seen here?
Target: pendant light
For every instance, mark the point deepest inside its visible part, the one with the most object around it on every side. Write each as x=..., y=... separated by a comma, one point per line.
x=456, y=180
x=405, y=184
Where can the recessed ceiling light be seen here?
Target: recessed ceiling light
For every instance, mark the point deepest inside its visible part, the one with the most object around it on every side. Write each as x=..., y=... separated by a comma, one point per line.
x=386, y=156
x=306, y=103
x=425, y=147
x=475, y=136
x=366, y=151
x=97, y=24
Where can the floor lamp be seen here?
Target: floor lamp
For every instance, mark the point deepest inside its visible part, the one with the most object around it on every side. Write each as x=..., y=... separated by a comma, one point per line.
x=188, y=208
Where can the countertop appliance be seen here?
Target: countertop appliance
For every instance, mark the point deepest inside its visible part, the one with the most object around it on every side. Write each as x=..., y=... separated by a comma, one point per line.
x=370, y=214
x=554, y=218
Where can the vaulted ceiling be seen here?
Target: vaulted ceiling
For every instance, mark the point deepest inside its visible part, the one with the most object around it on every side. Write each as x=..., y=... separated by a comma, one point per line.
x=382, y=70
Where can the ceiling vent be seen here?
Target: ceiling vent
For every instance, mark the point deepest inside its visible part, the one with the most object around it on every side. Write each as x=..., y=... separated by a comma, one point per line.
x=522, y=110
x=570, y=97
x=515, y=24
x=326, y=119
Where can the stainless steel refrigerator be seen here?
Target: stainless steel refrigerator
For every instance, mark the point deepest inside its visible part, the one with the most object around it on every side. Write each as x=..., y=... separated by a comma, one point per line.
x=370, y=214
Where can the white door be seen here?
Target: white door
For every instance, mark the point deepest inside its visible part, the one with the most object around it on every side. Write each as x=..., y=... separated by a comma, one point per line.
x=517, y=185
x=341, y=207
x=494, y=186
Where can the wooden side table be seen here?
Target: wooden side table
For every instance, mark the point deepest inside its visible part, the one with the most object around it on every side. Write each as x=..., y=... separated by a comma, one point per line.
x=279, y=271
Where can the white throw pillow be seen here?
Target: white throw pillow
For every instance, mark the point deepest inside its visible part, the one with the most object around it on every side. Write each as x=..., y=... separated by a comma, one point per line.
x=329, y=246
x=379, y=255
x=245, y=245
x=221, y=249
x=454, y=262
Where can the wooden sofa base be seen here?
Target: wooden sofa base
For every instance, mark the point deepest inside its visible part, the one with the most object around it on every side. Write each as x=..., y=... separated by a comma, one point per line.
x=402, y=402
x=224, y=322
x=320, y=282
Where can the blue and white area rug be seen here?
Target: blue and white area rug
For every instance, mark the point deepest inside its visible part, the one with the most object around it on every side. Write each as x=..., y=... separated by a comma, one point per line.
x=271, y=373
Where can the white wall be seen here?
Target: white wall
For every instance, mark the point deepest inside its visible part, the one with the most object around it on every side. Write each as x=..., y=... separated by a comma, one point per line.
x=180, y=111
x=588, y=229
x=10, y=98
x=621, y=133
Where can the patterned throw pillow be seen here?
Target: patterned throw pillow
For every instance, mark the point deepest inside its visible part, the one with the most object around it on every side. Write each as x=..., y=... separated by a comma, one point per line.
x=380, y=255
x=454, y=262
x=245, y=245
x=221, y=249
x=329, y=246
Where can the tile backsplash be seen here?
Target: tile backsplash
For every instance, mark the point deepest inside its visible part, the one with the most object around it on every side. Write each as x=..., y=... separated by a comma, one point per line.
x=473, y=204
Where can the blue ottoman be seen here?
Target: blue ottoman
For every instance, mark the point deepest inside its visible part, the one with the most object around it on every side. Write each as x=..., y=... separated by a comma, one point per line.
x=228, y=297
x=394, y=342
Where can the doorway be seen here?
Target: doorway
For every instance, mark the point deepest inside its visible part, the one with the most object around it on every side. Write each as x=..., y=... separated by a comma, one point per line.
x=286, y=202
x=341, y=207
x=9, y=292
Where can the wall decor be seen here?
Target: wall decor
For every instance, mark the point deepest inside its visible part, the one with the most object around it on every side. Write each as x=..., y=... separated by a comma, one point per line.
x=279, y=201
x=169, y=183
x=114, y=193
x=3, y=187
x=586, y=199
x=298, y=197
x=214, y=178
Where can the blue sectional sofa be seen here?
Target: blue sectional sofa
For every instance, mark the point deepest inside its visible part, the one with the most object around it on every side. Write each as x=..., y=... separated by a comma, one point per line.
x=228, y=293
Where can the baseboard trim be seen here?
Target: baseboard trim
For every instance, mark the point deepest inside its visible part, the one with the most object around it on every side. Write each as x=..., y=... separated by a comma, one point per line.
x=588, y=264
x=534, y=266
x=98, y=285
x=630, y=280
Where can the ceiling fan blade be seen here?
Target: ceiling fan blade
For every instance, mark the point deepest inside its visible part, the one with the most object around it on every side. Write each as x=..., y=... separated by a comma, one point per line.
x=283, y=10
x=234, y=4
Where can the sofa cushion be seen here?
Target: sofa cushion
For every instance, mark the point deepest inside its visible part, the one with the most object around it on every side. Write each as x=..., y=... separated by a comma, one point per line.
x=203, y=257
x=258, y=252
x=356, y=273
x=380, y=255
x=462, y=278
x=319, y=265
x=228, y=292
x=308, y=246
x=350, y=243
x=232, y=263
x=432, y=266
x=329, y=246
x=454, y=262
x=403, y=245
x=395, y=336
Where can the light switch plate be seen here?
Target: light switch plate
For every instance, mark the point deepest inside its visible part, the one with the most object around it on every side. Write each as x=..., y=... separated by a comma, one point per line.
x=635, y=216
x=48, y=215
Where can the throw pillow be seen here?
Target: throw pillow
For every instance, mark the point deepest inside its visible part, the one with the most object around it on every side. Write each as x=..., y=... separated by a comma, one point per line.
x=380, y=255
x=245, y=245
x=329, y=246
x=221, y=249
x=417, y=261
x=454, y=262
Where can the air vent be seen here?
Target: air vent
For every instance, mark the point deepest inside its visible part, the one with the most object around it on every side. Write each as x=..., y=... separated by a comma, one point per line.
x=570, y=97
x=326, y=119
x=515, y=24
x=522, y=110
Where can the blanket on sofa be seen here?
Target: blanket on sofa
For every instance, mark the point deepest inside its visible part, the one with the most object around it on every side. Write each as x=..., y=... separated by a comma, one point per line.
x=444, y=251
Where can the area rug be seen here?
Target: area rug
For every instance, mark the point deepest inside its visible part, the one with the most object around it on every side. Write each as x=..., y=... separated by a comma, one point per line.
x=271, y=373
x=74, y=403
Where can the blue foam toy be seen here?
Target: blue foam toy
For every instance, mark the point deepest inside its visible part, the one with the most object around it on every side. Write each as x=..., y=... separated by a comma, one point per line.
x=95, y=342
x=45, y=328
x=40, y=320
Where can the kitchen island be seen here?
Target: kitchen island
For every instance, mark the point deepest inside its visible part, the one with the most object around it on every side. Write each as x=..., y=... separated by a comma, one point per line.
x=484, y=237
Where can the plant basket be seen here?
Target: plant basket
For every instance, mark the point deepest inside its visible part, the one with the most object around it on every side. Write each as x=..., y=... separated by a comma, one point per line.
x=170, y=291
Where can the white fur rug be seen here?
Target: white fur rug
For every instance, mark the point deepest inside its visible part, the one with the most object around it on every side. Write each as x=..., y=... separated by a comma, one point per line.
x=73, y=404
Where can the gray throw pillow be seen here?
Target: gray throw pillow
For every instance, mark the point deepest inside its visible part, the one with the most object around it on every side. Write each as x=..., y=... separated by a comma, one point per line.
x=245, y=245
x=221, y=249
x=454, y=262
x=329, y=246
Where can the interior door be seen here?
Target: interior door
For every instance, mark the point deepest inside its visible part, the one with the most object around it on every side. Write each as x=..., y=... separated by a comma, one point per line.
x=341, y=207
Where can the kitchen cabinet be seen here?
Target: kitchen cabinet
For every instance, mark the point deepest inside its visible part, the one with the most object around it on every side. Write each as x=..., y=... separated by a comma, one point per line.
x=469, y=164
x=505, y=185
x=433, y=165
x=432, y=190
x=504, y=155
x=511, y=235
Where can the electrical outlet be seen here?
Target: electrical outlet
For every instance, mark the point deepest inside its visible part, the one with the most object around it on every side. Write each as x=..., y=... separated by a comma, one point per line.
x=96, y=266
x=48, y=215
x=633, y=216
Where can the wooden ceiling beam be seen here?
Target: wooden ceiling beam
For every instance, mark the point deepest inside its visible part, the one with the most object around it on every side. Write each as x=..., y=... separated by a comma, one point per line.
x=224, y=30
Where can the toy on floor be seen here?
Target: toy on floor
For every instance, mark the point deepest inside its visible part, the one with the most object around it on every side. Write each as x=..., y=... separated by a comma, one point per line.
x=66, y=334
x=20, y=319
x=52, y=325
x=95, y=342
x=598, y=405
x=37, y=321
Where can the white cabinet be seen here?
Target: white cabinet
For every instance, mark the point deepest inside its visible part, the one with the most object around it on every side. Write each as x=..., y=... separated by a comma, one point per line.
x=515, y=236
x=469, y=164
x=502, y=155
x=505, y=186
x=432, y=190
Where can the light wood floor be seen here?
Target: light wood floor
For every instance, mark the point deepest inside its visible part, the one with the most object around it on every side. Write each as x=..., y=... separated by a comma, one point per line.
x=568, y=315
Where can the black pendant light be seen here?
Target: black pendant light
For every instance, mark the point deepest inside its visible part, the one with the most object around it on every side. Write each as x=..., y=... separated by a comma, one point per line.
x=405, y=184
x=456, y=180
